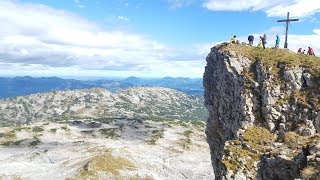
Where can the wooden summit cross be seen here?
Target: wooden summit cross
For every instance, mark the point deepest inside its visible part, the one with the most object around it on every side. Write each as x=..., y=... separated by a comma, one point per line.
x=287, y=23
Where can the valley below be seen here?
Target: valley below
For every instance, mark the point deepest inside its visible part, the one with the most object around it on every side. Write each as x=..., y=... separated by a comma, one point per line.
x=105, y=149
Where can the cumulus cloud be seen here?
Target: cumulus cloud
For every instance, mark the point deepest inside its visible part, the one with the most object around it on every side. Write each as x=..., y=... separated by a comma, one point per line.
x=301, y=8
x=273, y=8
x=41, y=36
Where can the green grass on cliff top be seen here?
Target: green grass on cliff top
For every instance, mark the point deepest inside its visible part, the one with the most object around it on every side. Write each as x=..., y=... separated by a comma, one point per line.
x=271, y=57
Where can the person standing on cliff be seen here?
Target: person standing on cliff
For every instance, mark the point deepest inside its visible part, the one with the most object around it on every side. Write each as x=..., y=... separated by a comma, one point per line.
x=300, y=51
x=233, y=39
x=310, y=51
x=250, y=39
x=260, y=43
x=264, y=41
x=277, y=41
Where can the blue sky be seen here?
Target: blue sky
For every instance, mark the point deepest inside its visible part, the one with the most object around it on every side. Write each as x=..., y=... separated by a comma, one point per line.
x=139, y=37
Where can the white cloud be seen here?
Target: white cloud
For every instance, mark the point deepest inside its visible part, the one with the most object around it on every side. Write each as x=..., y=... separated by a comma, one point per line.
x=174, y=4
x=123, y=18
x=301, y=8
x=238, y=5
x=273, y=8
x=33, y=35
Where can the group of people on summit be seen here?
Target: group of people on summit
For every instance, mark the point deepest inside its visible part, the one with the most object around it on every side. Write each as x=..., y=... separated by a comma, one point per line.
x=310, y=51
x=263, y=41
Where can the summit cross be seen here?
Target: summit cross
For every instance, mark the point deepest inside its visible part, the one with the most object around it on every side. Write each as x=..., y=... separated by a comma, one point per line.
x=287, y=24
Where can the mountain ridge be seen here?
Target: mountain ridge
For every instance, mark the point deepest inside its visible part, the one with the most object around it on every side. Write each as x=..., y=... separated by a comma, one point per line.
x=136, y=102
x=20, y=86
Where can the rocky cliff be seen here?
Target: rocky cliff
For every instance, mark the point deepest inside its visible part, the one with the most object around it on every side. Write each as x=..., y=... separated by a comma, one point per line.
x=264, y=113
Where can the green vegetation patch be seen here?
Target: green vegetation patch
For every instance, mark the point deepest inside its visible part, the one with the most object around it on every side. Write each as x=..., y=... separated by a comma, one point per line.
x=104, y=163
x=295, y=142
x=105, y=120
x=241, y=158
x=306, y=99
x=7, y=143
x=17, y=143
x=53, y=130
x=88, y=132
x=35, y=142
x=243, y=153
x=185, y=143
x=2, y=135
x=65, y=128
x=198, y=123
x=272, y=57
x=37, y=129
x=258, y=135
x=310, y=172
x=156, y=135
x=22, y=128
x=109, y=132
x=256, y=141
x=7, y=138
x=188, y=133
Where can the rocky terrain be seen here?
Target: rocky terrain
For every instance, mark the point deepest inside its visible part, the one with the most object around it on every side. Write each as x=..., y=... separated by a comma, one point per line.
x=138, y=133
x=264, y=113
x=105, y=149
x=138, y=102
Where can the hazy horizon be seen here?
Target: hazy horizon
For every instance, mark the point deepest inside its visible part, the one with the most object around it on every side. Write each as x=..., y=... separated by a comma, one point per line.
x=98, y=78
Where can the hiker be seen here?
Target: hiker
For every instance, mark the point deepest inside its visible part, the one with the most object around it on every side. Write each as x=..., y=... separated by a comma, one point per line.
x=277, y=41
x=310, y=51
x=250, y=39
x=300, y=51
x=264, y=41
x=260, y=43
x=304, y=51
x=233, y=40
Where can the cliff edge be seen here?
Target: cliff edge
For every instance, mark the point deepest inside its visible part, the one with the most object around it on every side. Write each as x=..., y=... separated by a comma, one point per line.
x=264, y=113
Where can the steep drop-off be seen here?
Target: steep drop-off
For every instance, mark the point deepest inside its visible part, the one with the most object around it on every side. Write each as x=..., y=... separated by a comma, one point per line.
x=264, y=119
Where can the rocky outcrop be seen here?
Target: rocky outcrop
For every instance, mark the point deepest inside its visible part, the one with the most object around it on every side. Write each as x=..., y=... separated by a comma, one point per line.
x=250, y=90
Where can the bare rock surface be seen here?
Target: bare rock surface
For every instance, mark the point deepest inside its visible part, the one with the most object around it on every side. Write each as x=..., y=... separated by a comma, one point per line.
x=264, y=108
x=116, y=149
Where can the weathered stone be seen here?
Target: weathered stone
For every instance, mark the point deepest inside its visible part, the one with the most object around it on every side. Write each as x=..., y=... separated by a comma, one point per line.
x=317, y=123
x=306, y=77
x=271, y=100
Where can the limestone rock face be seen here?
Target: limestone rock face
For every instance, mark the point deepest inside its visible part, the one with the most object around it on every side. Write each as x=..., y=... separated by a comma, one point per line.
x=244, y=92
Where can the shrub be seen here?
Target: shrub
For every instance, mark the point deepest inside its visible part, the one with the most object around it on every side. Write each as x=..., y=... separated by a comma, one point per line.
x=37, y=129
x=35, y=142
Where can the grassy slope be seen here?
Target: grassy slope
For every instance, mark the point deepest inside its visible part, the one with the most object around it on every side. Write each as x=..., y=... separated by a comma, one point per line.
x=271, y=57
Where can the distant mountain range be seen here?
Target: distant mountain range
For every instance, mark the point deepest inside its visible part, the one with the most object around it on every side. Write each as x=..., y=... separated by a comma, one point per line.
x=137, y=102
x=21, y=86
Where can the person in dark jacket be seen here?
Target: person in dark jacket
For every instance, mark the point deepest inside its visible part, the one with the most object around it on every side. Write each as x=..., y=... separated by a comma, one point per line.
x=250, y=39
x=264, y=41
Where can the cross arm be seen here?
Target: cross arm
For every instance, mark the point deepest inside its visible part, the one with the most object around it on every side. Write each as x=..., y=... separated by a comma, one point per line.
x=288, y=20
